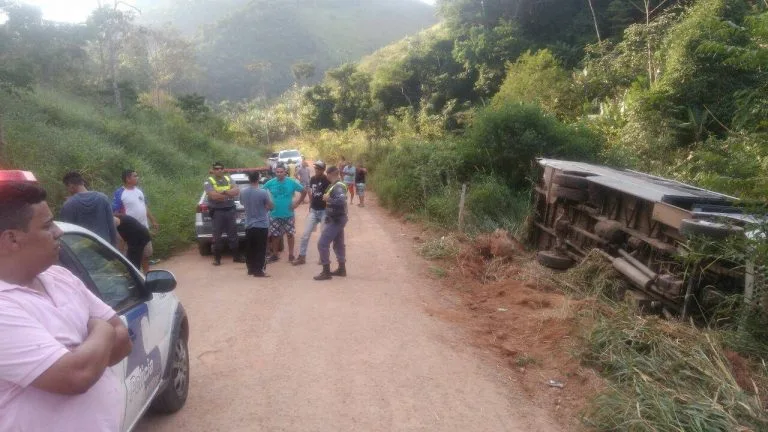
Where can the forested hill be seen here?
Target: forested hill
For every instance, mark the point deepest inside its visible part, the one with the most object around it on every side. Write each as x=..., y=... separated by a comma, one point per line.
x=247, y=49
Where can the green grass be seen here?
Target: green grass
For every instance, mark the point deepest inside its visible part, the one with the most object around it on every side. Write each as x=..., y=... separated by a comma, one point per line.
x=438, y=272
x=525, y=360
x=50, y=133
x=439, y=248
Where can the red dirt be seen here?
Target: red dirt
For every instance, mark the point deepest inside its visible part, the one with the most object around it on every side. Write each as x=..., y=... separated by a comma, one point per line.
x=529, y=326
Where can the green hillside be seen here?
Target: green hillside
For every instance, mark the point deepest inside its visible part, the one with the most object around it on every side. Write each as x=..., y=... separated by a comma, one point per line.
x=246, y=48
x=51, y=132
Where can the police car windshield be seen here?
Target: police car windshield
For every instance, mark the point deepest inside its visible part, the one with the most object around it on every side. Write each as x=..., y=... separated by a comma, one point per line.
x=289, y=154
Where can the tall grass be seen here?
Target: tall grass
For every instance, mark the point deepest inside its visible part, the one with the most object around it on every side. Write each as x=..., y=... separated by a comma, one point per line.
x=662, y=375
x=51, y=133
x=665, y=376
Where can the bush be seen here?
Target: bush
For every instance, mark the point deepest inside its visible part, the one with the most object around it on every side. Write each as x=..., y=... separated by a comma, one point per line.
x=505, y=141
x=491, y=205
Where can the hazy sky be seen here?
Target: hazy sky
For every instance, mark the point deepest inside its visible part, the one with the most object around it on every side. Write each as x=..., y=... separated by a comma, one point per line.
x=78, y=10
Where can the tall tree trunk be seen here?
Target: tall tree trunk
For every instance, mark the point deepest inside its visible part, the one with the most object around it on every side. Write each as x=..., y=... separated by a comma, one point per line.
x=113, y=71
x=648, y=40
x=594, y=18
x=2, y=133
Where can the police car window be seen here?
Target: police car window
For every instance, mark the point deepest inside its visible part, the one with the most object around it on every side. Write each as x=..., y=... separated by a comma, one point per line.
x=113, y=278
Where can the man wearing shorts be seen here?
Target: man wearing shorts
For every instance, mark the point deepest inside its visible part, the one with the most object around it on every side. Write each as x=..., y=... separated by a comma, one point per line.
x=349, y=180
x=282, y=220
x=360, y=176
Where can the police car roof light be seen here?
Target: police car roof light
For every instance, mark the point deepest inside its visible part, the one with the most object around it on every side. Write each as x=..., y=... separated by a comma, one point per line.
x=243, y=170
x=17, y=176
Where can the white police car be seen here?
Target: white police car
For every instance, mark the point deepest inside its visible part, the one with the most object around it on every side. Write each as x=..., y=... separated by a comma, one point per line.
x=156, y=373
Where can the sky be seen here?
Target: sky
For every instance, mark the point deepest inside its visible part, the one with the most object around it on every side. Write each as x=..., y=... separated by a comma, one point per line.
x=77, y=10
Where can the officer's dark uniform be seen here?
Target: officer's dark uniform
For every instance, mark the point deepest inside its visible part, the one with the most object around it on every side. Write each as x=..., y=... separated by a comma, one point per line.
x=224, y=215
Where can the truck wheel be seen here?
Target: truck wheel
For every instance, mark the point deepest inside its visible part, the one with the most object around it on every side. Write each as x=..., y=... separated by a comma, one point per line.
x=204, y=247
x=610, y=230
x=175, y=394
x=553, y=261
x=703, y=228
x=570, y=194
x=571, y=181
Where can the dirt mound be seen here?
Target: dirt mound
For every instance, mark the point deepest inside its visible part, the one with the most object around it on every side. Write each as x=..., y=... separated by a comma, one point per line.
x=498, y=244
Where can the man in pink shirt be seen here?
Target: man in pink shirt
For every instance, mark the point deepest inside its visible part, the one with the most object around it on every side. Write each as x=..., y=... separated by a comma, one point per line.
x=58, y=339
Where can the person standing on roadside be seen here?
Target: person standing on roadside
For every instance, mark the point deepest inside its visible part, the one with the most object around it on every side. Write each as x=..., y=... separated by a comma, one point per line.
x=283, y=221
x=88, y=209
x=292, y=168
x=221, y=192
x=333, y=231
x=360, y=177
x=304, y=174
x=257, y=203
x=58, y=339
x=130, y=200
x=342, y=163
x=318, y=184
x=349, y=173
x=135, y=235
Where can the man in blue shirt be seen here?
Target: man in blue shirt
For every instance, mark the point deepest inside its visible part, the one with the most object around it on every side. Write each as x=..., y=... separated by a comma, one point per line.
x=283, y=189
x=88, y=209
x=257, y=203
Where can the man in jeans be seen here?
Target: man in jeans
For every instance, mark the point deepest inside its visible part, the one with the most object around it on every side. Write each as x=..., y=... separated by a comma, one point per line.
x=257, y=203
x=333, y=231
x=317, y=186
x=221, y=192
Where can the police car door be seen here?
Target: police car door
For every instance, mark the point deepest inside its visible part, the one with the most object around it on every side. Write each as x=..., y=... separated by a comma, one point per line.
x=118, y=285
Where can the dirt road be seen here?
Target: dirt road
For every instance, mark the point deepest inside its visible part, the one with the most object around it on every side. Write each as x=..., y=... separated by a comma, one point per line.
x=361, y=353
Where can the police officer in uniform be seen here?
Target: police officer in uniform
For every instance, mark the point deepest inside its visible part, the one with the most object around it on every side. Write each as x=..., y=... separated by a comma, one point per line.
x=333, y=231
x=221, y=193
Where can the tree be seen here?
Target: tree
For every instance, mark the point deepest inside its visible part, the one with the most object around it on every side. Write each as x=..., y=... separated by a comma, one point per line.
x=538, y=78
x=351, y=91
x=261, y=69
x=111, y=26
x=16, y=73
x=303, y=72
x=171, y=59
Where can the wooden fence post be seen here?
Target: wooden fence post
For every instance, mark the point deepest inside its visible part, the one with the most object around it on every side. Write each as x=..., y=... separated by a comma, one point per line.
x=461, y=206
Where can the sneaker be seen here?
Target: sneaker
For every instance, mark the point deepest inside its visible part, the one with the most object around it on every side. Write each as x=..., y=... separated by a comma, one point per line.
x=300, y=260
x=273, y=258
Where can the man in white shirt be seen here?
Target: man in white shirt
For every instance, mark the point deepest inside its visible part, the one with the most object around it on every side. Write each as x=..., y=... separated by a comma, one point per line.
x=129, y=200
